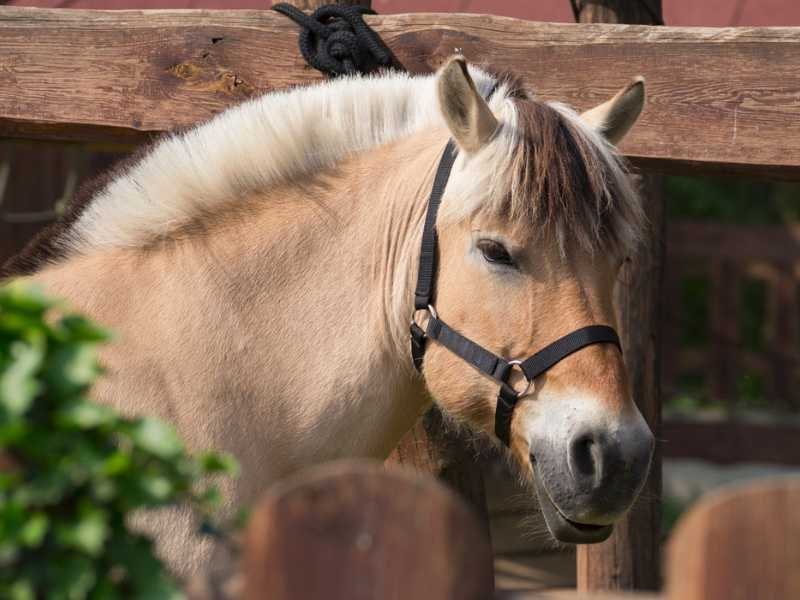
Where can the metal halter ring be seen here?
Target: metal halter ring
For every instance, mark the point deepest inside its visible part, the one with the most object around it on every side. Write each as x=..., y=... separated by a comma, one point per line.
x=431, y=311
x=528, y=388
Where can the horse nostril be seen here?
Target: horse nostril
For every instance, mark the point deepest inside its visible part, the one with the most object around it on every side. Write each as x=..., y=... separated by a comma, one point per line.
x=586, y=459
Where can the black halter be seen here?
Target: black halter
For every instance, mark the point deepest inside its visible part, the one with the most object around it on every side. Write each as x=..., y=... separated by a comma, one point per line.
x=479, y=357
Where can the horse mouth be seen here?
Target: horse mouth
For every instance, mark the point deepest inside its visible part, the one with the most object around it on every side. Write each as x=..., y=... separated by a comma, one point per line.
x=564, y=529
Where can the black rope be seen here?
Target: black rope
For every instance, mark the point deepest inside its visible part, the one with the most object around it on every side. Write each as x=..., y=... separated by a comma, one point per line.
x=578, y=5
x=336, y=41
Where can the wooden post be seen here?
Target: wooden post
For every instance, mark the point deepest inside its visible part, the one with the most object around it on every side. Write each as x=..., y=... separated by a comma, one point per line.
x=353, y=530
x=738, y=543
x=429, y=446
x=630, y=559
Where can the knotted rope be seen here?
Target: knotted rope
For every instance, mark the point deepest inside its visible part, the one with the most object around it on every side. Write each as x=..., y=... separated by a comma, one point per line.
x=336, y=40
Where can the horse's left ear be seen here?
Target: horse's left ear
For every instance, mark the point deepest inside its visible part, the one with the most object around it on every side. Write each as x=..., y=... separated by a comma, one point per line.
x=468, y=117
x=613, y=119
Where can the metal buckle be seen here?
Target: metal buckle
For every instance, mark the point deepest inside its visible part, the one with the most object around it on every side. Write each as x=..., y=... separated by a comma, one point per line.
x=528, y=388
x=431, y=311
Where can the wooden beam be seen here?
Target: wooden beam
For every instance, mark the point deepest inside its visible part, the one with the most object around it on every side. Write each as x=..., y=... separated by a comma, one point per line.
x=719, y=99
x=728, y=442
x=742, y=243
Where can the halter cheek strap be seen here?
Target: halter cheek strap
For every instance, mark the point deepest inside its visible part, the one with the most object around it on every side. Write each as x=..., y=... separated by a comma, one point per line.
x=483, y=360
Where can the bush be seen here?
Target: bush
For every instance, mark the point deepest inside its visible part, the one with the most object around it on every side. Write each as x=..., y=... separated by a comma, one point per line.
x=71, y=471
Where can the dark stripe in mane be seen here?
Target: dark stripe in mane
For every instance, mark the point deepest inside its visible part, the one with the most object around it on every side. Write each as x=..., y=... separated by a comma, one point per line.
x=568, y=186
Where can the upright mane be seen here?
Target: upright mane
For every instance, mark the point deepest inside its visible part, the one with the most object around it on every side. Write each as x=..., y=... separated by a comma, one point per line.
x=545, y=166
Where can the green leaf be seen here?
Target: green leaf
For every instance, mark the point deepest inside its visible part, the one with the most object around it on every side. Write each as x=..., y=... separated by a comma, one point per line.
x=157, y=487
x=18, y=387
x=72, y=368
x=21, y=590
x=82, y=329
x=116, y=463
x=214, y=462
x=88, y=533
x=20, y=296
x=34, y=530
x=85, y=414
x=72, y=578
x=157, y=437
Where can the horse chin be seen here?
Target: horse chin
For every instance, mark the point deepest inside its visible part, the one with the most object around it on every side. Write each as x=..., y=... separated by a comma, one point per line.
x=563, y=529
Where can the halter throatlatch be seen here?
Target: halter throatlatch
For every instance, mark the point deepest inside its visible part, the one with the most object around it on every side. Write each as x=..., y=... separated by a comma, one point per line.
x=476, y=355
x=336, y=40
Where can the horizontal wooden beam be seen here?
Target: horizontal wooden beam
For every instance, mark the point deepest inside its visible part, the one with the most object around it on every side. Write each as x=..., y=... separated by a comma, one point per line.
x=727, y=442
x=720, y=100
x=698, y=239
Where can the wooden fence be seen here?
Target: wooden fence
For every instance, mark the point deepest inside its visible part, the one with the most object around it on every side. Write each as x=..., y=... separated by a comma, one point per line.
x=357, y=531
x=762, y=344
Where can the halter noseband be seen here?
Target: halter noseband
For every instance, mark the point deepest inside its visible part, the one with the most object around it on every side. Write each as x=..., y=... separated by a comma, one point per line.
x=476, y=355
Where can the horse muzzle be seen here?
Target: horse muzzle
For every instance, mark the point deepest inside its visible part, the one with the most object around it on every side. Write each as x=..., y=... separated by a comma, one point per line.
x=586, y=480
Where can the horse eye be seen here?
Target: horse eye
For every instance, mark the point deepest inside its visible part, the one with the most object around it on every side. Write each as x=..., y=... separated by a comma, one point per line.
x=494, y=252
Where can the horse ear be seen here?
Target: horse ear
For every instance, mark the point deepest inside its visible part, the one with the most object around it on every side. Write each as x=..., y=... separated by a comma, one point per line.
x=469, y=118
x=613, y=119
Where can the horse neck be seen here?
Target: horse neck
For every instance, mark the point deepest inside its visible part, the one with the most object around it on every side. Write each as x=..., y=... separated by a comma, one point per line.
x=299, y=298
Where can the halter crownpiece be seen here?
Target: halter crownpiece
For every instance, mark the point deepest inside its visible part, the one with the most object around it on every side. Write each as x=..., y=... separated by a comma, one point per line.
x=486, y=362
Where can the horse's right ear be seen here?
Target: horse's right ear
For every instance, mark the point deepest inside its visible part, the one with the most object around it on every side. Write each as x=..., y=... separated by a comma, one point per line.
x=614, y=118
x=468, y=117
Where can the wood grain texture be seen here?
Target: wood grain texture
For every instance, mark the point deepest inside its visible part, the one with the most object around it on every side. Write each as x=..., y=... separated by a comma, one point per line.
x=630, y=559
x=357, y=531
x=740, y=544
x=719, y=99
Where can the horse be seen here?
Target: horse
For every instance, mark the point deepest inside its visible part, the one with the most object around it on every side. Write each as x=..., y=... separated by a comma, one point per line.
x=258, y=272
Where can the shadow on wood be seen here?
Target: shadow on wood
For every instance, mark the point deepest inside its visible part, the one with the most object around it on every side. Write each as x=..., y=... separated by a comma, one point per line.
x=356, y=530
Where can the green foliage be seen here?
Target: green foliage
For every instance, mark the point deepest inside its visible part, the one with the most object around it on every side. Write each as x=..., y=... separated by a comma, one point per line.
x=71, y=471
x=729, y=200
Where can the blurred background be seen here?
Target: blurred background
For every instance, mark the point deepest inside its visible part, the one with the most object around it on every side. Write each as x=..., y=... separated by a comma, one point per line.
x=731, y=324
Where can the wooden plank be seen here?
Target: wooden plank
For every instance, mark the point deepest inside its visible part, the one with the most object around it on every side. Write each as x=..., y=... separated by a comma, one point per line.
x=630, y=559
x=357, y=531
x=719, y=99
x=741, y=543
x=696, y=239
x=728, y=442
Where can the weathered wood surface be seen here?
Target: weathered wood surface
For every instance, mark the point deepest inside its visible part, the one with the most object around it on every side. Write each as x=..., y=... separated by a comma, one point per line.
x=727, y=442
x=740, y=544
x=697, y=239
x=719, y=99
x=631, y=557
x=355, y=530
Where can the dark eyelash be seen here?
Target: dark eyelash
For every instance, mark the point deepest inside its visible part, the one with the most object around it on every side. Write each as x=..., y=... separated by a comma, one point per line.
x=495, y=252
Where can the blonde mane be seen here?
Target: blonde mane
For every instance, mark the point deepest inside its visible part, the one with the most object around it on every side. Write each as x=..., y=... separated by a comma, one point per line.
x=281, y=136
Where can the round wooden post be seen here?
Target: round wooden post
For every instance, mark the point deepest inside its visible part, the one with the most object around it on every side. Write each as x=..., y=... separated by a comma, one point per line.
x=355, y=530
x=740, y=543
x=630, y=558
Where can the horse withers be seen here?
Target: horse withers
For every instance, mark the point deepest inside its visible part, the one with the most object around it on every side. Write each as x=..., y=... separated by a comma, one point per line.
x=259, y=272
